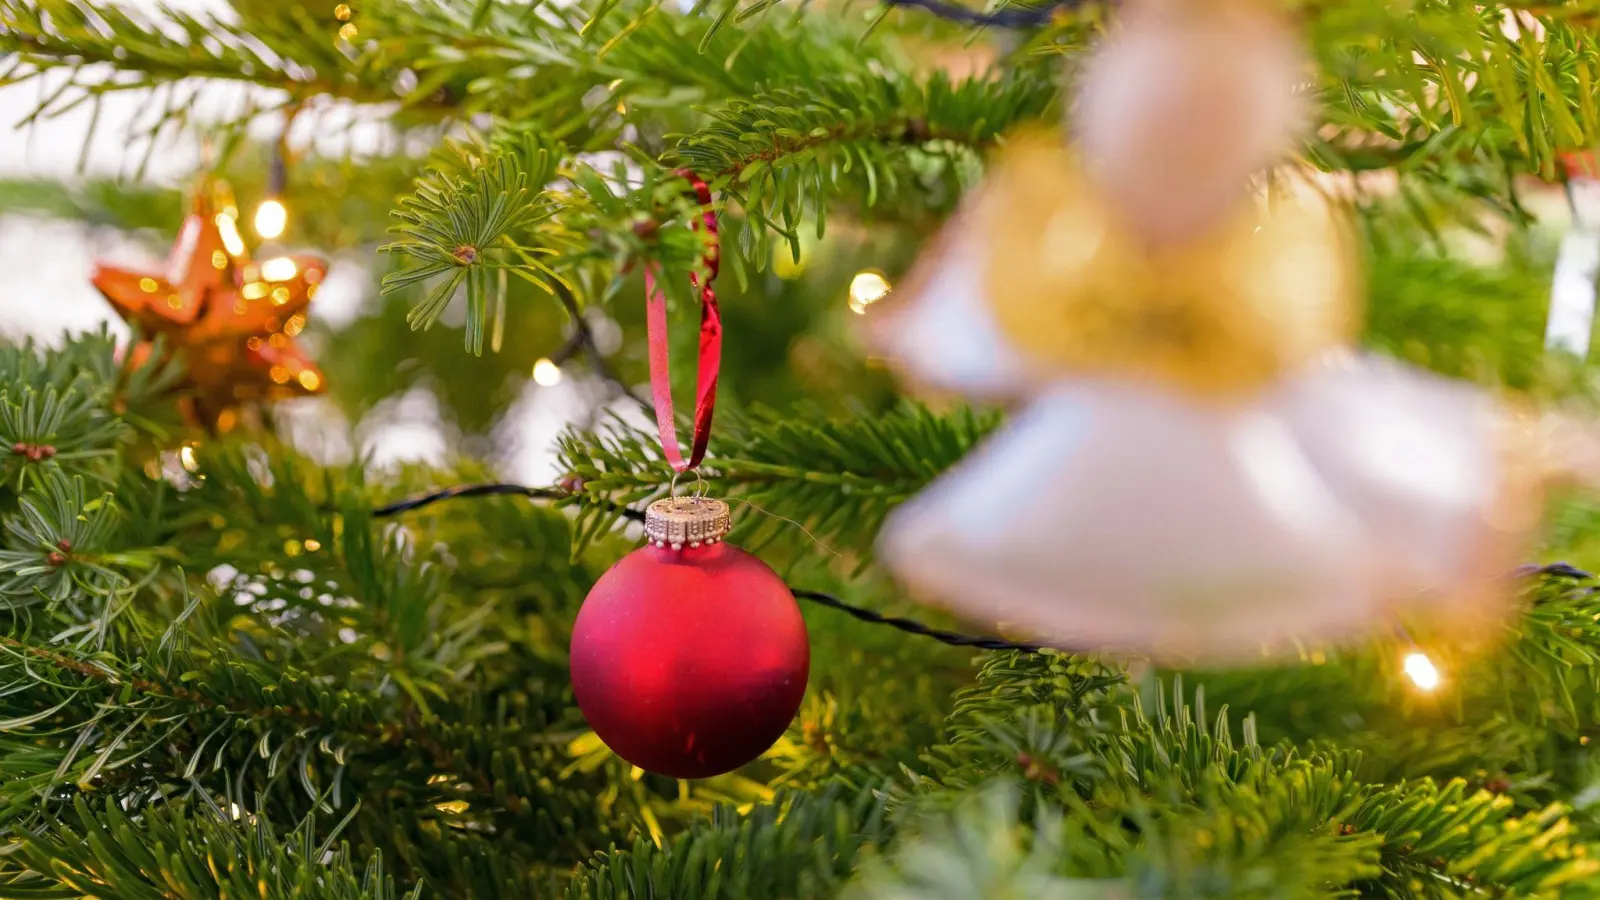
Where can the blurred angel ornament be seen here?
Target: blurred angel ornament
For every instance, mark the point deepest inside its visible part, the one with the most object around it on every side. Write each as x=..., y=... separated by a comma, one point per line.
x=1183, y=104
x=1202, y=469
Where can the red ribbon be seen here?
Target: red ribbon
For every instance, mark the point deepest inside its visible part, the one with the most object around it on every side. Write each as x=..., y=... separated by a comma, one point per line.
x=705, y=401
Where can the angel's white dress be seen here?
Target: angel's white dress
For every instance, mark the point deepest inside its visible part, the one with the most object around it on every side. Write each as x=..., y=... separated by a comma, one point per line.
x=1112, y=514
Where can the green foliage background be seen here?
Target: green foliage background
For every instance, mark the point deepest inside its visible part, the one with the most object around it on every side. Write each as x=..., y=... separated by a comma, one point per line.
x=228, y=679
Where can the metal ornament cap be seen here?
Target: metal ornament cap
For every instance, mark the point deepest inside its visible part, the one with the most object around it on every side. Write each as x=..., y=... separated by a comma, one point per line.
x=679, y=522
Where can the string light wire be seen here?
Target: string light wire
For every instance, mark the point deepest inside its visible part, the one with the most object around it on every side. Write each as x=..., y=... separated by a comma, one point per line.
x=909, y=626
x=1008, y=16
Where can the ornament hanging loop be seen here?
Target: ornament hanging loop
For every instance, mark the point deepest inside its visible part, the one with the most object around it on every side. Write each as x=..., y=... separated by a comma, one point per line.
x=710, y=361
x=699, y=483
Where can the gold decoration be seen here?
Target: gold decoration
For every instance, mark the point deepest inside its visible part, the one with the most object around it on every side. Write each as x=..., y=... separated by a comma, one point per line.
x=1069, y=283
x=232, y=330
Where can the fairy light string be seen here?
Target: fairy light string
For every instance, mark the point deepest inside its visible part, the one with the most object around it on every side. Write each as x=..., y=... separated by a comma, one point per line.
x=1418, y=671
x=1007, y=16
x=821, y=598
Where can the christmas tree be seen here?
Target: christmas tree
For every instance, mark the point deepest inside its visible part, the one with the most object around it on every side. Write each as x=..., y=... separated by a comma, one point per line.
x=231, y=665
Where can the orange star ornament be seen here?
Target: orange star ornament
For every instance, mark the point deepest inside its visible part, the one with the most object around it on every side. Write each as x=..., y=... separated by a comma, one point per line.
x=230, y=320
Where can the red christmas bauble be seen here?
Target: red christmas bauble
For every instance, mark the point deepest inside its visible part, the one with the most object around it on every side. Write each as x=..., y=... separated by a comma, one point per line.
x=689, y=662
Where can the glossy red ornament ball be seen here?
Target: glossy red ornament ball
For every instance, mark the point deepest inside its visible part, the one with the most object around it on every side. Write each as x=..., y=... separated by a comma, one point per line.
x=691, y=662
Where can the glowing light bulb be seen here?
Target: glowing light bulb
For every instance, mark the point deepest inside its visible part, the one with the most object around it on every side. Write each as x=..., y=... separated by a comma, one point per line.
x=784, y=265
x=229, y=231
x=1421, y=670
x=867, y=288
x=271, y=218
x=546, y=373
x=279, y=268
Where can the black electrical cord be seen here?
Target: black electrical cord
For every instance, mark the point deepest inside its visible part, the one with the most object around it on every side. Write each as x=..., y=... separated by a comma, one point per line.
x=469, y=490
x=1005, y=17
x=909, y=626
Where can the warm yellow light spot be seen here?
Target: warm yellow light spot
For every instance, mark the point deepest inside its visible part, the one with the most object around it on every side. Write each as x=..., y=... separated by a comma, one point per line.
x=186, y=455
x=271, y=218
x=291, y=547
x=219, y=260
x=310, y=380
x=227, y=419
x=294, y=326
x=342, y=12
x=230, y=234
x=279, y=268
x=280, y=295
x=311, y=289
x=253, y=342
x=866, y=289
x=174, y=301
x=148, y=285
x=546, y=373
x=279, y=341
x=313, y=545
x=452, y=806
x=279, y=374
x=348, y=31
x=1421, y=670
x=785, y=266
x=254, y=290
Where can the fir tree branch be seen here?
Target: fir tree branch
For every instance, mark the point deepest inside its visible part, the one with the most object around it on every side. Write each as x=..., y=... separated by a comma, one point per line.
x=800, y=846
x=837, y=477
x=227, y=711
x=271, y=46
x=1041, y=723
x=188, y=849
